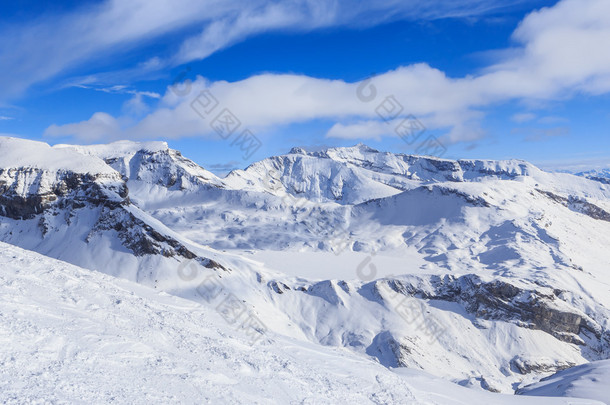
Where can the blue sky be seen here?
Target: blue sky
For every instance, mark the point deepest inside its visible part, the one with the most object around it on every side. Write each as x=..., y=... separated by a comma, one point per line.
x=523, y=79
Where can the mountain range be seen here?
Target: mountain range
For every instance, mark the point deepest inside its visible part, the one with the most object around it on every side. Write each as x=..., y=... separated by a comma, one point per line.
x=488, y=274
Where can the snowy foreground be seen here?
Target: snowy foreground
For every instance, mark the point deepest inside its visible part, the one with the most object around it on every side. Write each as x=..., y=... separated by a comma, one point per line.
x=69, y=335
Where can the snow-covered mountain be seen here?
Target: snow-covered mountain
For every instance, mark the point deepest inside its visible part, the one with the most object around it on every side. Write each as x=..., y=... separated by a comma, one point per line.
x=77, y=208
x=491, y=274
x=601, y=175
x=360, y=173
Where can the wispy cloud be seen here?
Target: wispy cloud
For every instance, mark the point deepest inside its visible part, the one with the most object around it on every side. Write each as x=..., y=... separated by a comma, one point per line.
x=5, y=118
x=55, y=45
x=559, y=52
x=540, y=134
x=574, y=164
x=222, y=169
x=120, y=89
x=523, y=117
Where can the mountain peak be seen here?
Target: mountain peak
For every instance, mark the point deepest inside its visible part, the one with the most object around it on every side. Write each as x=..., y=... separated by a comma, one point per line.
x=363, y=147
x=297, y=151
x=342, y=150
x=351, y=150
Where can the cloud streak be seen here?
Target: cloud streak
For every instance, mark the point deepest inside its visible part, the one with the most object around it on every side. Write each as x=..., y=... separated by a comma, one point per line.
x=559, y=52
x=57, y=45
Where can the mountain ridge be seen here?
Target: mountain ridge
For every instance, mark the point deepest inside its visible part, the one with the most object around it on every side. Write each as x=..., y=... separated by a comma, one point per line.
x=487, y=248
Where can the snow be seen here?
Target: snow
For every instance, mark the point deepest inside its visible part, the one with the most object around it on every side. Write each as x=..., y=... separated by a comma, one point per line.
x=601, y=175
x=343, y=266
x=152, y=164
x=19, y=153
x=117, y=149
x=591, y=381
x=76, y=336
x=294, y=247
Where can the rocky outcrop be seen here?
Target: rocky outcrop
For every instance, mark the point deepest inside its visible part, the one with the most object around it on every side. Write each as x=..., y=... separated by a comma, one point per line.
x=535, y=307
x=137, y=236
x=30, y=193
x=165, y=167
x=27, y=192
x=526, y=365
x=578, y=205
x=389, y=350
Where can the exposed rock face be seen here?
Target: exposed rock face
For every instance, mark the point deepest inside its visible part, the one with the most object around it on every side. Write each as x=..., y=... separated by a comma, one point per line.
x=29, y=193
x=603, y=180
x=390, y=350
x=536, y=307
x=26, y=192
x=166, y=168
x=138, y=236
x=278, y=286
x=472, y=200
x=533, y=365
x=419, y=167
x=579, y=205
x=525, y=305
x=600, y=175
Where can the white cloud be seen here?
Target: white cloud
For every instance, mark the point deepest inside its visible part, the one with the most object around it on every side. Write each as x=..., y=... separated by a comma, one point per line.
x=99, y=126
x=118, y=89
x=221, y=33
x=552, y=119
x=5, y=118
x=306, y=15
x=523, y=117
x=362, y=130
x=540, y=134
x=563, y=49
x=51, y=46
x=574, y=164
x=560, y=51
x=136, y=106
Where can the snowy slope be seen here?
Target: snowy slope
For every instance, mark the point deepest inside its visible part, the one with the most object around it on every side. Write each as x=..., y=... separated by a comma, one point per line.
x=315, y=177
x=303, y=200
x=152, y=163
x=358, y=174
x=511, y=261
x=75, y=207
x=69, y=335
x=601, y=175
x=590, y=381
x=508, y=222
